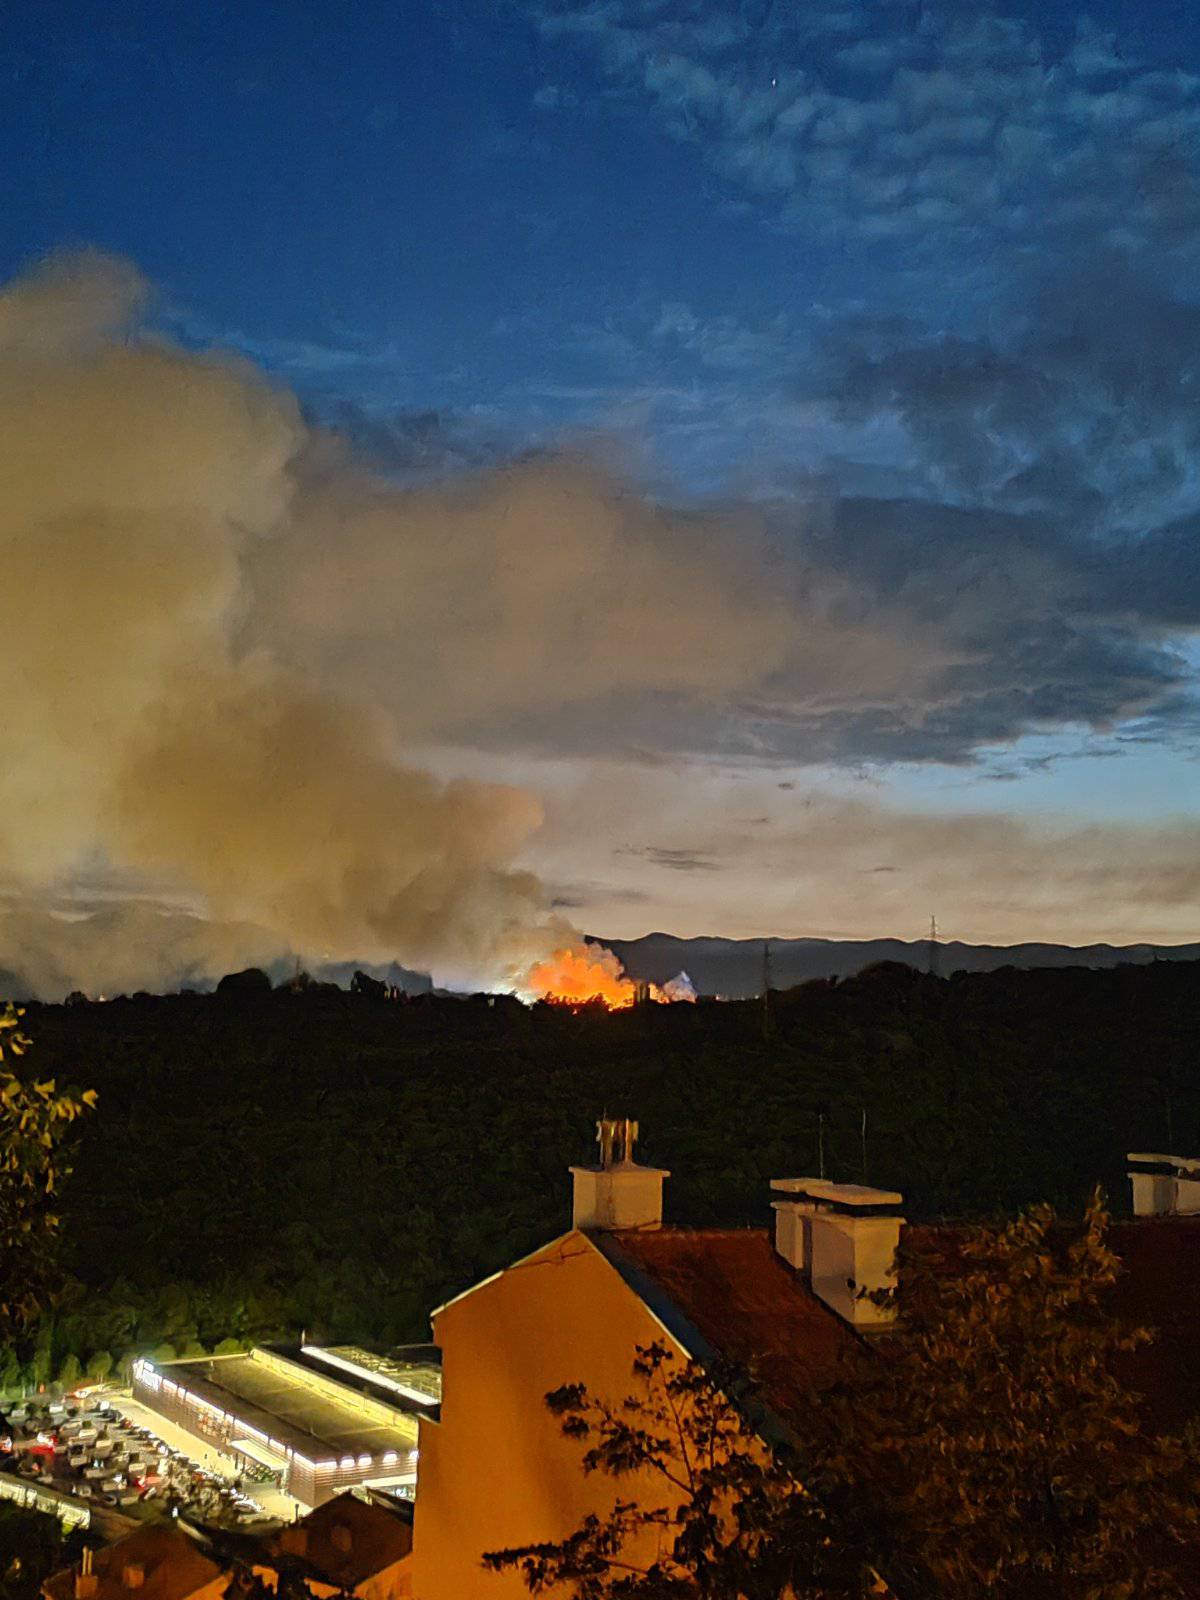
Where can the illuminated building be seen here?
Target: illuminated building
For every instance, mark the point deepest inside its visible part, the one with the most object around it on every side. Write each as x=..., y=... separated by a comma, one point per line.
x=318, y=1420
x=495, y=1468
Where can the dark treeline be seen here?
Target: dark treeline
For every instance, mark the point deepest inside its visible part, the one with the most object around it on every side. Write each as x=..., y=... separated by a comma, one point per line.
x=263, y=1163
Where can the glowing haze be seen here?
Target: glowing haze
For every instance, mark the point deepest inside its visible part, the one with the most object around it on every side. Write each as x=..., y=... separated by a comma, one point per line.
x=222, y=631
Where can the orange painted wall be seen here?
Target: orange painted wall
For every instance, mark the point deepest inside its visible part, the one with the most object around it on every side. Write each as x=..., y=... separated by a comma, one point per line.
x=393, y=1583
x=496, y=1471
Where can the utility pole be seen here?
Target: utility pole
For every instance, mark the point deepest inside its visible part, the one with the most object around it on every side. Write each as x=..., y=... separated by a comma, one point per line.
x=933, y=948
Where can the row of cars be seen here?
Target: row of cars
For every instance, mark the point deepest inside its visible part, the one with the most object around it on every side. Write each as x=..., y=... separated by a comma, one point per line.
x=85, y=1448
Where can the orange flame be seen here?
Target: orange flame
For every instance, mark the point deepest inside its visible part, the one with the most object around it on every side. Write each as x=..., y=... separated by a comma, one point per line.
x=589, y=974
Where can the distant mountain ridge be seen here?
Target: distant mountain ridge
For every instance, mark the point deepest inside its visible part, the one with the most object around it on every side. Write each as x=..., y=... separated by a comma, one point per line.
x=733, y=968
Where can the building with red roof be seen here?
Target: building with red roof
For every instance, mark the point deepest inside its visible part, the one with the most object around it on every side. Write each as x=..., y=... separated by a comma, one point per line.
x=787, y=1303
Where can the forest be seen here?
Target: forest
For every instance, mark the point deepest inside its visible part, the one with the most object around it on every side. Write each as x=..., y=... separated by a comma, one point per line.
x=265, y=1163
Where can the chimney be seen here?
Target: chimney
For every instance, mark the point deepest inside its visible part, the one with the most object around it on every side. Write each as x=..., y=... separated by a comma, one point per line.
x=87, y=1580
x=1164, y=1186
x=133, y=1575
x=842, y=1237
x=618, y=1193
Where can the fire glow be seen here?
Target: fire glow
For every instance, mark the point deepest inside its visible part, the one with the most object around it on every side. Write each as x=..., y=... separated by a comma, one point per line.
x=588, y=974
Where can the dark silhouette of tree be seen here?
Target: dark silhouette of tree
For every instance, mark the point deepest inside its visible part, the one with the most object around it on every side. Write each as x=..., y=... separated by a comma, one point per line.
x=250, y=981
x=730, y=1521
x=991, y=1444
x=32, y=1546
x=34, y=1115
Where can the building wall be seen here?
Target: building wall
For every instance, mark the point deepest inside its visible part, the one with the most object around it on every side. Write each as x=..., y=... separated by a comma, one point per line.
x=496, y=1471
x=393, y=1583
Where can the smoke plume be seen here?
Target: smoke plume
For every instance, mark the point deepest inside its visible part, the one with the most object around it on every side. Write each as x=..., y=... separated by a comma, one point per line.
x=222, y=632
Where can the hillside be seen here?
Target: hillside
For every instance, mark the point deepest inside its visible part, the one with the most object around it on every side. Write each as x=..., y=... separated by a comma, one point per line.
x=734, y=967
x=326, y=1161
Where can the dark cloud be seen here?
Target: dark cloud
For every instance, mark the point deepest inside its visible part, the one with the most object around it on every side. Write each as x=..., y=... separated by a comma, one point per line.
x=675, y=859
x=409, y=444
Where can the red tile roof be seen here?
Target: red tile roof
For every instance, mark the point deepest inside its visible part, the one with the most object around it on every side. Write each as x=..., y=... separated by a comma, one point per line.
x=1160, y=1290
x=750, y=1308
x=725, y=1292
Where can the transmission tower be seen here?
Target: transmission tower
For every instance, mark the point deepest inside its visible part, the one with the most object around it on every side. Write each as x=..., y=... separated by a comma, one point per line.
x=934, y=948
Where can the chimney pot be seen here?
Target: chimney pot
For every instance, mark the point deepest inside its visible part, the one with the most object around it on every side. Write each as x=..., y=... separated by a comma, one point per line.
x=843, y=1238
x=1164, y=1186
x=618, y=1193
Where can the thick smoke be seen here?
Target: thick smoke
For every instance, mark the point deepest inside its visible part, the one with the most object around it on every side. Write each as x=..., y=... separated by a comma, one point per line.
x=218, y=628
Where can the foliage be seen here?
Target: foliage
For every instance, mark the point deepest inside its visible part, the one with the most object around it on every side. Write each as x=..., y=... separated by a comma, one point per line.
x=991, y=1445
x=100, y=1364
x=34, y=1115
x=727, y=1519
x=987, y=1445
x=215, y=1197
x=32, y=1546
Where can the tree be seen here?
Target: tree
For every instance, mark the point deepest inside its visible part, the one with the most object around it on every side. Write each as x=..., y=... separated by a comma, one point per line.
x=33, y=1118
x=32, y=1546
x=250, y=981
x=729, y=1522
x=70, y=1372
x=99, y=1366
x=991, y=1445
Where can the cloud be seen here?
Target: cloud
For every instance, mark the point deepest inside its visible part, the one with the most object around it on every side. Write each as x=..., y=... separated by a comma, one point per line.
x=937, y=125
x=836, y=862
x=676, y=859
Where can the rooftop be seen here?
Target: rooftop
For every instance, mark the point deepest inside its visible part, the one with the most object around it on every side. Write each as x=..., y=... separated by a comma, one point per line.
x=409, y=1378
x=309, y=1413
x=346, y=1540
x=732, y=1289
x=173, y=1567
x=726, y=1293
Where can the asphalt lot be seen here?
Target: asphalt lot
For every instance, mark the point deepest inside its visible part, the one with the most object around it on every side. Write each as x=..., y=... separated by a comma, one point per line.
x=106, y=1450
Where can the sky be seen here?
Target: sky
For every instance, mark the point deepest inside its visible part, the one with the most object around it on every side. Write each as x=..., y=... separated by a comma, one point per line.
x=785, y=417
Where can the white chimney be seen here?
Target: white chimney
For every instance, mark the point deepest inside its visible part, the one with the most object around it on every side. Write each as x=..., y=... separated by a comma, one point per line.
x=1164, y=1186
x=843, y=1238
x=618, y=1193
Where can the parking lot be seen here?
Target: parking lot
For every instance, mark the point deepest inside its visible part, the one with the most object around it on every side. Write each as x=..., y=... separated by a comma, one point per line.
x=109, y=1451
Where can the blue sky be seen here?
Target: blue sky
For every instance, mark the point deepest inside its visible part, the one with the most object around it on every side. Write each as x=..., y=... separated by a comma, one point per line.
x=910, y=285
